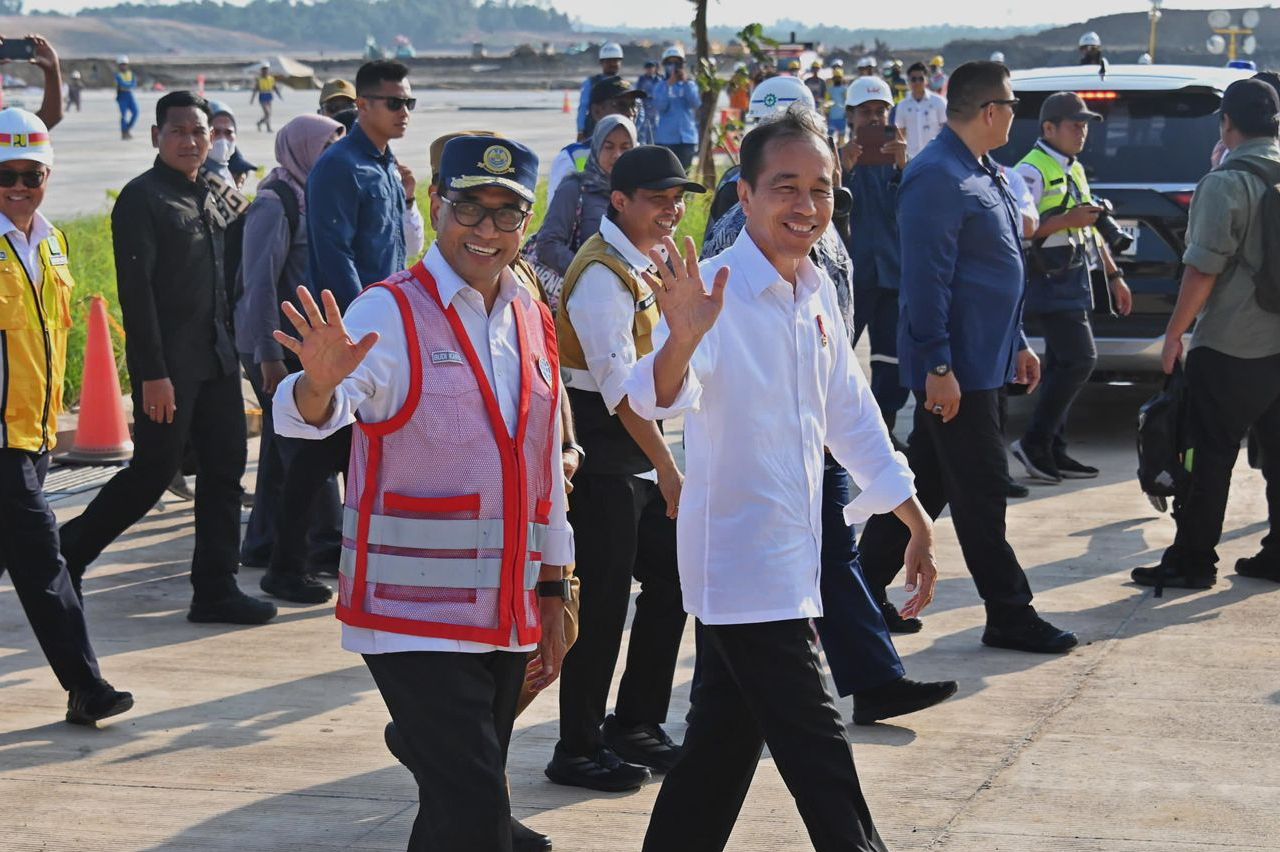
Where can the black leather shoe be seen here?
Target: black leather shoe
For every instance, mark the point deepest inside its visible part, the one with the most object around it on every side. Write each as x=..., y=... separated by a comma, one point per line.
x=237, y=608
x=1069, y=468
x=1174, y=577
x=298, y=588
x=1038, y=462
x=1034, y=635
x=899, y=698
x=1016, y=490
x=603, y=771
x=88, y=706
x=525, y=839
x=896, y=623
x=1261, y=567
x=644, y=745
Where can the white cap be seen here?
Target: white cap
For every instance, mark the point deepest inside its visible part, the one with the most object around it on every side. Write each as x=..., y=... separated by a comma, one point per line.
x=777, y=94
x=265, y=66
x=610, y=50
x=1144, y=59
x=23, y=136
x=675, y=51
x=122, y=59
x=865, y=89
x=997, y=56
x=1089, y=39
x=867, y=62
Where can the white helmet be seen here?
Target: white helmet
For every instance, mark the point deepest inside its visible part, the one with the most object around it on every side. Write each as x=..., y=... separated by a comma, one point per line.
x=866, y=89
x=610, y=50
x=837, y=63
x=1089, y=39
x=1144, y=59
x=777, y=94
x=867, y=62
x=28, y=138
x=997, y=56
x=675, y=51
x=122, y=59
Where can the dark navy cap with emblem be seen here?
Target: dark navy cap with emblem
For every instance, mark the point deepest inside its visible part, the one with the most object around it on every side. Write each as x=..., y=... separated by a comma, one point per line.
x=470, y=162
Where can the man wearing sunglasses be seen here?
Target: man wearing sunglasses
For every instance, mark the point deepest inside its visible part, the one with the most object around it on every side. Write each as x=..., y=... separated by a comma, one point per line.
x=922, y=113
x=356, y=197
x=35, y=313
x=960, y=342
x=454, y=570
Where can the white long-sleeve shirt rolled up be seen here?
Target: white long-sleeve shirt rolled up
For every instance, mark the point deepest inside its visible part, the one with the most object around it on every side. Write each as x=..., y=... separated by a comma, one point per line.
x=771, y=385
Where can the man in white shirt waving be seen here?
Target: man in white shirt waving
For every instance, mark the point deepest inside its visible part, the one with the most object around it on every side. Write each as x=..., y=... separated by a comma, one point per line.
x=766, y=386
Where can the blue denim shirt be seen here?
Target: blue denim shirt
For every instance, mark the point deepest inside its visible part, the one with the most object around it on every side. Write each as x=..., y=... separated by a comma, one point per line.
x=963, y=281
x=677, y=106
x=355, y=218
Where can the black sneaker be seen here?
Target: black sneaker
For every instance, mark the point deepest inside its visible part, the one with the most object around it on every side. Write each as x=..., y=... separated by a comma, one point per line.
x=644, y=745
x=602, y=771
x=88, y=706
x=896, y=623
x=1175, y=577
x=297, y=588
x=236, y=608
x=1261, y=567
x=1016, y=490
x=1069, y=468
x=1038, y=462
x=1034, y=635
x=899, y=698
x=180, y=489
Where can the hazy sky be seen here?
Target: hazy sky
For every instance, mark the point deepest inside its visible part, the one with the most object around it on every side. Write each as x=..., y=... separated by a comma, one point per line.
x=837, y=12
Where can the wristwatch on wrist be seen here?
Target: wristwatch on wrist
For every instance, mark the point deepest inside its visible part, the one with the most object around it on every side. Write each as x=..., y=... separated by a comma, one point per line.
x=577, y=448
x=562, y=589
x=941, y=370
x=1112, y=276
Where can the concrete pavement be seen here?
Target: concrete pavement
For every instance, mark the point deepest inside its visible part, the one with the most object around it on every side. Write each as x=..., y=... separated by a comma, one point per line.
x=1161, y=733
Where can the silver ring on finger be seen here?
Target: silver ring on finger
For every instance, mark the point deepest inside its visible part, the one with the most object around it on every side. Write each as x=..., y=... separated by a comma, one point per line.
x=937, y=409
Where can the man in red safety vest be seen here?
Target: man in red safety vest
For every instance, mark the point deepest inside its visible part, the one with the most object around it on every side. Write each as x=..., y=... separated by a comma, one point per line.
x=455, y=534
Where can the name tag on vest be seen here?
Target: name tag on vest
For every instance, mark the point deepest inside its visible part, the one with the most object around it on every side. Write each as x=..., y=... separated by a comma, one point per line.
x=446, y=356
x=646, y=303
x=56, y=257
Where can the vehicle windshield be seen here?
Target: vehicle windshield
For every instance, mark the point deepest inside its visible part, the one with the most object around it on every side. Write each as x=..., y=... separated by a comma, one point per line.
x=1144, y=137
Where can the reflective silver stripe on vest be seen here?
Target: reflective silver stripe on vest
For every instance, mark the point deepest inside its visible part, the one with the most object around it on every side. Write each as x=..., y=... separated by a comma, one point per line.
x=435, y=573
x=436, y=534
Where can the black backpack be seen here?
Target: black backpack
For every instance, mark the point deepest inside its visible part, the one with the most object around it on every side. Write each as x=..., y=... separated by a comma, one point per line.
x=1266, y=279
x=233, y=241
x=1162, y=442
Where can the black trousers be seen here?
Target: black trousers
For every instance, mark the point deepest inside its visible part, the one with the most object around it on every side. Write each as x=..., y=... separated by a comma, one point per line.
x=29, y=549
x=621, y=531
x=211, y=416
x=961, y=464
x=322, y=508
x=761, y=684
x=309, y=502
x=1069, y=358
x=882, y=331
x=455, y=712
x=1226, y=397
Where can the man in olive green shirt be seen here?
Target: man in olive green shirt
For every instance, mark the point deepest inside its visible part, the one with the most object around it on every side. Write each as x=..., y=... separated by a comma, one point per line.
x=1233, y=367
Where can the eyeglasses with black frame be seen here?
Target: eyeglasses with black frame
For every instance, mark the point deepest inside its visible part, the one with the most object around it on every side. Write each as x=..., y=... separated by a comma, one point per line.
x=395, y=103
x=470, y=214
x=31, y=180
x=1011, y=103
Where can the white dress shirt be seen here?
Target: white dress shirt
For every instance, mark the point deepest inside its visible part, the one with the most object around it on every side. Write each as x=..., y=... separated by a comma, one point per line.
x=772, y=383
x=922, y=119
x=377, y=389
x=28, y=249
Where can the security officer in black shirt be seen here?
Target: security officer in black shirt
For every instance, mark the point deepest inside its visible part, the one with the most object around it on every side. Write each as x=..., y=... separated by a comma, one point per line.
x=167, y=232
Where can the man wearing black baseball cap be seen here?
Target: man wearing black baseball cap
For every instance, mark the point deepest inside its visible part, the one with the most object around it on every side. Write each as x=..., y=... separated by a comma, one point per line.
x=1065, y=253
x=625, y=494
x=609, y=96
x=1233, y=366
x=452, y=572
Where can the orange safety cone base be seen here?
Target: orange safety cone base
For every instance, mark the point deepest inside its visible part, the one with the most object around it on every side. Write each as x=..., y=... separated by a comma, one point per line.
x=102, y=435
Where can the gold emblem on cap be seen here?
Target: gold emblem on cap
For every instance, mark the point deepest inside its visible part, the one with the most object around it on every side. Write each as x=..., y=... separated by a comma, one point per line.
x=497, y=160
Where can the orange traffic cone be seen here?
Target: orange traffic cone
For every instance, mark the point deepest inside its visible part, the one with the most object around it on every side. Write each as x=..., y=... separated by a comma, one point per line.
x=103, y=435
x=566, y=108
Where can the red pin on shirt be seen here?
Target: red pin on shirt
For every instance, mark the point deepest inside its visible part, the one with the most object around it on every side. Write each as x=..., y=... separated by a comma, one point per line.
x=822, y=329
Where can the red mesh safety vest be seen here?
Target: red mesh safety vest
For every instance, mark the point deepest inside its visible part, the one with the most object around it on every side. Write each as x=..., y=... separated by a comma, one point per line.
x=445, y=512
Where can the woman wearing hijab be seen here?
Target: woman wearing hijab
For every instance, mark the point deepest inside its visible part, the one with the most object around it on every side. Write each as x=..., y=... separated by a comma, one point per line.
x=274, y=263
x=582, y=198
